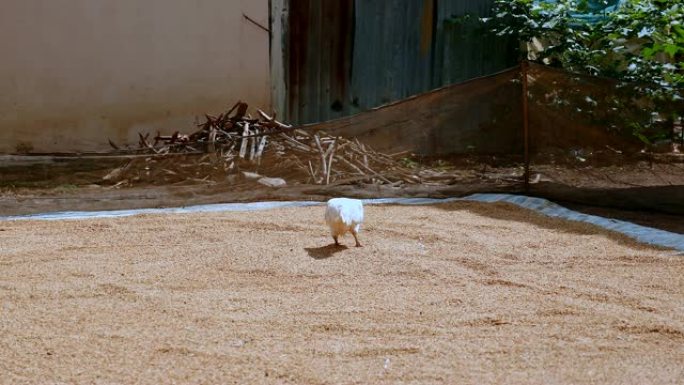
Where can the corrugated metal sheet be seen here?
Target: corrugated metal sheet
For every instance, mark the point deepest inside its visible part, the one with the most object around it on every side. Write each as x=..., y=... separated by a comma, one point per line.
x=318, y=59
x=391, y=57
x=342, y=57
x=462, y=52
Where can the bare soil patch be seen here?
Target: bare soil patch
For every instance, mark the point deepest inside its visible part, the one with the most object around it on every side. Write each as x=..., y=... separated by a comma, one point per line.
x=457, y=293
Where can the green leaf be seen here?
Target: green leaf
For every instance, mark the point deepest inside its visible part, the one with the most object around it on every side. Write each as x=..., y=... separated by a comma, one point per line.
x=671, y=49
x=647, y=52
x=641, y=136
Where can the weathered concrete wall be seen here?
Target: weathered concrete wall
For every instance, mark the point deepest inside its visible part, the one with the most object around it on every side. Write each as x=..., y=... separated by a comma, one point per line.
x=74, y=73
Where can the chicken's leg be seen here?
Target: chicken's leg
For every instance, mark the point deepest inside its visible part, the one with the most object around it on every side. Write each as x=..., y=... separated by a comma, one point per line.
x=358, y=244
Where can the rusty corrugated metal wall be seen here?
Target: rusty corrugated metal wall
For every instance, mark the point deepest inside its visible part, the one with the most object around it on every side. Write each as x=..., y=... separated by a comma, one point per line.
x=342, y=57
x=317, y=49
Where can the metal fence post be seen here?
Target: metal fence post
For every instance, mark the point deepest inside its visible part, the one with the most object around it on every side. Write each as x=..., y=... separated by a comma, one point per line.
x=524, y=65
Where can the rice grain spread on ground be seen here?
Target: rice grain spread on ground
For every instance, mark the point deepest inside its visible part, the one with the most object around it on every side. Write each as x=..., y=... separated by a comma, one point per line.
x=463, y=292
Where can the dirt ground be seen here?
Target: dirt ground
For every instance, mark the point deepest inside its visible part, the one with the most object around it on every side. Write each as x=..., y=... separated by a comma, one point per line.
x=457, y=293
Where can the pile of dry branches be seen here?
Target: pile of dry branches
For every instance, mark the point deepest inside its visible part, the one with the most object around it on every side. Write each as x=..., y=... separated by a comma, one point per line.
x=226, y=146
x=327, y=159
x=215, y=134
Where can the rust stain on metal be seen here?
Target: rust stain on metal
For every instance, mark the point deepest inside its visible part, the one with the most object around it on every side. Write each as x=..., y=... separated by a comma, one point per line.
x=427, y=24
x=318, y=56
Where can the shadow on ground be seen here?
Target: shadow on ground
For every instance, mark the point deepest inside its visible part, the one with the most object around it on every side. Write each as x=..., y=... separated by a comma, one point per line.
x=510, y=212
x=325, y=251
x=668, y=222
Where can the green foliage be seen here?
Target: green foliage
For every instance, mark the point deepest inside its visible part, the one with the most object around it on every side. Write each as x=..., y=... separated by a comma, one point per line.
x=638, y=41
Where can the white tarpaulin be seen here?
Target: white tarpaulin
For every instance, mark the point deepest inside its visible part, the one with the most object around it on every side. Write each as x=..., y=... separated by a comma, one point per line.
x=640, y=233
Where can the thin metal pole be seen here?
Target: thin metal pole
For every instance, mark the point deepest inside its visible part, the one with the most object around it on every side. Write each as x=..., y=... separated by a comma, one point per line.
x=526, y=129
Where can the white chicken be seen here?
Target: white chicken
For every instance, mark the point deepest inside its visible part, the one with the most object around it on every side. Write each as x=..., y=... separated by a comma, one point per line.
x=344, y=215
